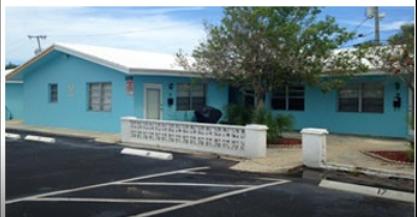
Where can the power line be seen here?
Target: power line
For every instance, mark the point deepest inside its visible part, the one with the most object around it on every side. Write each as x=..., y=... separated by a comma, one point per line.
x=360, y=24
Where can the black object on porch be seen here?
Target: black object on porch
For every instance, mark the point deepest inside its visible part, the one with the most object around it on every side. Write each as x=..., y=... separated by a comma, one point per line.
x=207, y=114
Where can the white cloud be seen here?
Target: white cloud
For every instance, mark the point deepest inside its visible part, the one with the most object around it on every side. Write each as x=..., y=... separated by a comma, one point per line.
x=394, y=25
x=145, y=29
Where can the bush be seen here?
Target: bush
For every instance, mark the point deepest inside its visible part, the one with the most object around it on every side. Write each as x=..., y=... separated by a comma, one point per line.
x=239, y=115
x=276, y=126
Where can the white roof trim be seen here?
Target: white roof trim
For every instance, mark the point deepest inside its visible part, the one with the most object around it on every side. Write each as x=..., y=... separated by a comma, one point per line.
x=14, y=82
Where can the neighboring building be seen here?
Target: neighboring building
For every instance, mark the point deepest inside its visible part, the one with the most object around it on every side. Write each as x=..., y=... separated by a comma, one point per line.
x=14, y=98
x=89, y=87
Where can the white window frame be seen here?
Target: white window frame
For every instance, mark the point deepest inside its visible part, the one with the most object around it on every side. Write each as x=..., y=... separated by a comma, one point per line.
x=360, y=98
x=287, y=99
x=190, y=96
x=101, y=96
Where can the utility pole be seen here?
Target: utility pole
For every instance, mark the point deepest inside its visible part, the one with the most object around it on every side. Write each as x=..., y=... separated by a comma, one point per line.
x=38, y=39
x=376, y=17
x=373, y=12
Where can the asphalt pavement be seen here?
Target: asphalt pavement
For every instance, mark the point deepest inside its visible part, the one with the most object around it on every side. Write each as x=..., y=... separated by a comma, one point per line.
x=79, y=177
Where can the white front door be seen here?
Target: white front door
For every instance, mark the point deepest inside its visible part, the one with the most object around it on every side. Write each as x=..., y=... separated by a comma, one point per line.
x=152, y=98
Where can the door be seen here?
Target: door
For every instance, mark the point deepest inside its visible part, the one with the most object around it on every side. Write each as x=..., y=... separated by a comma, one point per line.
x=153, y=107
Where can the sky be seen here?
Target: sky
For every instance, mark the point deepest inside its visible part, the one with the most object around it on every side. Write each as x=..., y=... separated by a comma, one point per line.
x=157, y=29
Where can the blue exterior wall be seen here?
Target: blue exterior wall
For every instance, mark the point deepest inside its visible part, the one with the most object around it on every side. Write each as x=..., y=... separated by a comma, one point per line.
x=321, y=111
x=14, y=101
x=217, y=95
x=72, y=74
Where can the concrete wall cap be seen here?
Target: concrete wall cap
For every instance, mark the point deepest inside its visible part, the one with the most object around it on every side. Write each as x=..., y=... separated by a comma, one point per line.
x=129, y=118
x=256, y=127
x=316, y=131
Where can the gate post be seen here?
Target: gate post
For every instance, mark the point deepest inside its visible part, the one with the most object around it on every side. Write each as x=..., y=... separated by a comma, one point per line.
x=125, y=131
x=255, y=140
x=314, y=147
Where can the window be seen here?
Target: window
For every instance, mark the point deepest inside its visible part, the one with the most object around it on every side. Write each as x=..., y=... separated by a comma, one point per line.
x=373, y=98
x=349, y=99
x=296, y=98
x=53, y=93
x=249, y=98
x=279, y=100
x=99, y=97
x=288, y=98
x=362, y=98
x=190, y=97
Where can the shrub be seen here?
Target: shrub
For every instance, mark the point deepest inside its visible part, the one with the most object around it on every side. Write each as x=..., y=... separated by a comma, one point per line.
x=285, y=123
x=276, y=126
x=239, y=115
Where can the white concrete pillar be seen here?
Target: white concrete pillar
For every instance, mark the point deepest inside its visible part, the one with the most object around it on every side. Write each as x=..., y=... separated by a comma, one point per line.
x=255, y=140
x=125, y=130
x=314, y=147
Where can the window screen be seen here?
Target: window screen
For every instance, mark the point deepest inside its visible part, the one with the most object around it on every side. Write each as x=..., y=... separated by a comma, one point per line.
x=190, y=96
x=296, y=98
x=288, y=98
x=53, y=93
x=278, y=100
x=373, y=98
x=99, y=96
x=349, y=99
x=367, y=97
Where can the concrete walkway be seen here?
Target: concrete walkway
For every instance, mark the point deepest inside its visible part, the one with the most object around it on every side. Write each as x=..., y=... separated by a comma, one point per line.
x=341, y=150
x=97, y=136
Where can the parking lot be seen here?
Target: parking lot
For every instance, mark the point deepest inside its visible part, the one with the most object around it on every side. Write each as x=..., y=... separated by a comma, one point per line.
x=79, y=177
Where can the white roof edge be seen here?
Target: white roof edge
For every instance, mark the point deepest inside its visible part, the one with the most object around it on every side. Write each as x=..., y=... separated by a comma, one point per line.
x=368, y=73
x=144, y=71
x=14, y=82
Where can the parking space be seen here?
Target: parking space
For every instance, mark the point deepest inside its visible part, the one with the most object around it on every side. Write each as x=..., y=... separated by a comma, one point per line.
x=78, y=177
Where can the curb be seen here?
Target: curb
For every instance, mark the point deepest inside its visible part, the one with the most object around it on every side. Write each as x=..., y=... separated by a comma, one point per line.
x=12, y=136
x=40, y=139
x=386, y=159
x=147, y=153
x=368, y=171
x=368, y=190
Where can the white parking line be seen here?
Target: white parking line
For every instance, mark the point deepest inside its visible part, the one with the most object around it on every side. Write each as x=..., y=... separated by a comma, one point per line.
x=106, y=200
x=185, y=184
x=103, y=184
x=208, y=199
x=194, y=173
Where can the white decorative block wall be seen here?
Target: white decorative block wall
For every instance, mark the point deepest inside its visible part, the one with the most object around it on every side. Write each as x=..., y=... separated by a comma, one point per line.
x=242, y=141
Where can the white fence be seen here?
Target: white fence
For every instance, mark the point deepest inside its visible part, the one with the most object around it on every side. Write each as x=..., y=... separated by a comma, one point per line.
x=243, y=141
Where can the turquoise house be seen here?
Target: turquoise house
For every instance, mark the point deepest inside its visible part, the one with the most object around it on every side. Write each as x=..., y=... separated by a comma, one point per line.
x=14, y=96
x=91, y=88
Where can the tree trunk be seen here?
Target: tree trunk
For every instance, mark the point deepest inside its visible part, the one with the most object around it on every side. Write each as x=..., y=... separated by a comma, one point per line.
x=259, y=101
